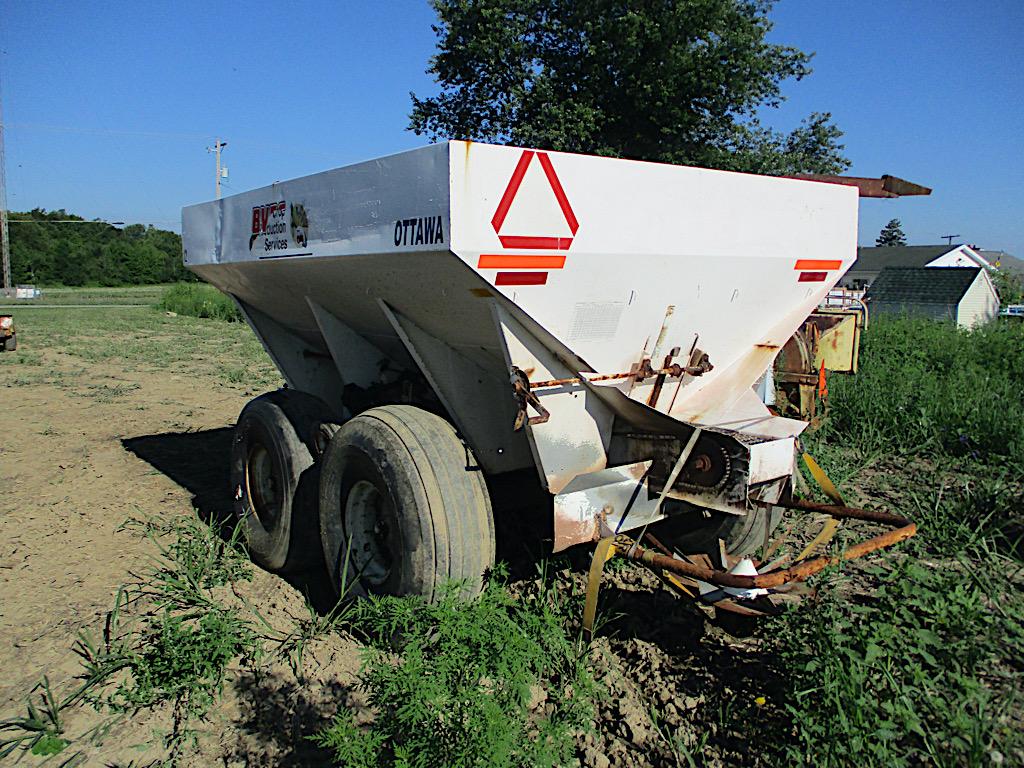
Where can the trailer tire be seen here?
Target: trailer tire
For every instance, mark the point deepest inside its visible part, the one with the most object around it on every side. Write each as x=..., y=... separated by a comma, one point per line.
x=742, y=534
x=12, y=343
x=403, y=506
x=275, y=477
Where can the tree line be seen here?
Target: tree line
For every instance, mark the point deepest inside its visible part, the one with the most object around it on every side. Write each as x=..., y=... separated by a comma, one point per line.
x=44, y=252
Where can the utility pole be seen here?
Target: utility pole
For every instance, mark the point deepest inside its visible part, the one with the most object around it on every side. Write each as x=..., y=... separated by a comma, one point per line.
x=947, y=238
x=5, y=242
x=218, y=145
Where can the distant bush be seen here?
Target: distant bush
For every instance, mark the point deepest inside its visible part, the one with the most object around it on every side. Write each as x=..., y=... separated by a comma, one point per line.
x=200, y=300
x=931, y=388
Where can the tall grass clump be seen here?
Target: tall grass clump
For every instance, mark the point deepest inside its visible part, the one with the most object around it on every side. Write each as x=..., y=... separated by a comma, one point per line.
x=926, y=670
x=199, y=300
x=493, y=682
x=923, y=675
x=931, y=388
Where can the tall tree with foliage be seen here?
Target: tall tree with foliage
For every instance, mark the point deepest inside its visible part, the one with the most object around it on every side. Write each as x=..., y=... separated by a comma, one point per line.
x=892, y=235
x=91, y=252
x=676, y=81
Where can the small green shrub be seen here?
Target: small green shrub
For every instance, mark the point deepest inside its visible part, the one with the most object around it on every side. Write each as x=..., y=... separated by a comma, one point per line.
x=200, y=300
x=186, y=658
x=452, y=684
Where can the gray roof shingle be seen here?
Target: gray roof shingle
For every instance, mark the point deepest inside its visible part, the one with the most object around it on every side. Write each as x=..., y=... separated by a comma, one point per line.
x=876, y=259
x=907, y=286
x=1006, y=262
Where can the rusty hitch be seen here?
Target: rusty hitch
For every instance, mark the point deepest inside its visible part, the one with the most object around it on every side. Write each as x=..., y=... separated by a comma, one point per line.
x=902, y=529
x=524, y=398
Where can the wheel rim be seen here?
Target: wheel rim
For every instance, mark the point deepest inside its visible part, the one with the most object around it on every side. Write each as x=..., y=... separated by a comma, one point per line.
x=262, y=485
x=368, y=523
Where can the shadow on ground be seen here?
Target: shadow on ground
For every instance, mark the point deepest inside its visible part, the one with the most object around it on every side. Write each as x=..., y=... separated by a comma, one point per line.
x=277, y=717
x=197, y=461
x=200, y=462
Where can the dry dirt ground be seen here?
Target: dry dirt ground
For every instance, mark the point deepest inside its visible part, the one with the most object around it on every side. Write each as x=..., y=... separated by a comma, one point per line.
x=109, y=415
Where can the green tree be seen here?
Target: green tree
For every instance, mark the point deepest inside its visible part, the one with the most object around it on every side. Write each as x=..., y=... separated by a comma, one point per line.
x=1008, y=285
x=91, y=253
x=892, y=234
x=677, y=81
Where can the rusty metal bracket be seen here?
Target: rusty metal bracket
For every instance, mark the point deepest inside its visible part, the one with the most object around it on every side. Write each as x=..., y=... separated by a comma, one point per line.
x=902, y=529
x=524, y=397
x=639, y=373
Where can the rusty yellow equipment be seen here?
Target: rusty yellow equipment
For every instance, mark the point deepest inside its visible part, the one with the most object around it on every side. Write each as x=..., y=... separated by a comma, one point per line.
x=827, y=342
x=8, y=337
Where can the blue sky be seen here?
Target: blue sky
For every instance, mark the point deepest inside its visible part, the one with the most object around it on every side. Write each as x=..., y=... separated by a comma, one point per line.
x=110, y=105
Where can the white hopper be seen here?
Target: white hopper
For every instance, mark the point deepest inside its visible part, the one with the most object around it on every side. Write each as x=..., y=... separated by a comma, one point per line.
x=649, y=297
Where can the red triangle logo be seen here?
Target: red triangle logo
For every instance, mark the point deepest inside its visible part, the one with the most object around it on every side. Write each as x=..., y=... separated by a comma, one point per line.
x=526, y=241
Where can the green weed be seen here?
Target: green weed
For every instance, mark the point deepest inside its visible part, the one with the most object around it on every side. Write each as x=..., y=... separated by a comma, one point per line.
x=40, y=730
x=927, y=388
x=200, y=300
x=185, y=658
x=452, y=683
x=193, y=558
x=313, y=626
x=168, y=639
x=924, y=669
x=906, y=679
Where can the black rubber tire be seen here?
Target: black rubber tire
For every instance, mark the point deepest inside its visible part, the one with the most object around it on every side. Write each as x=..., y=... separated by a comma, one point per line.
x=431, y=510
x=694, y=531
x=11, y=343
x=288, y=426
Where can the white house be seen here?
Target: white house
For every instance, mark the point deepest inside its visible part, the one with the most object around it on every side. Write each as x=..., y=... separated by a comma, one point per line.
x=871, y=261
x=964, y=295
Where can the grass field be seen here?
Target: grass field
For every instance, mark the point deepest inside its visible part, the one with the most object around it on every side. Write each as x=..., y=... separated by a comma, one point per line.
x=129, y=294
x=152, y=639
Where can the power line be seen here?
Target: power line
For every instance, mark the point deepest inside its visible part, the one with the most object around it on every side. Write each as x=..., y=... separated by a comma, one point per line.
x=108, y=131
x=253, y=143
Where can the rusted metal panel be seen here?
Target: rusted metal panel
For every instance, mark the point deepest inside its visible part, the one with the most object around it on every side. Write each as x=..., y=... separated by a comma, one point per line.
x=886, y=186
x=603, y=502
x=838, y=346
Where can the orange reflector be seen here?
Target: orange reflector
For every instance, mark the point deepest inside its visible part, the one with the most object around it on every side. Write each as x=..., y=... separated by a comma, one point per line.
x=818, y=264
x=520, y=261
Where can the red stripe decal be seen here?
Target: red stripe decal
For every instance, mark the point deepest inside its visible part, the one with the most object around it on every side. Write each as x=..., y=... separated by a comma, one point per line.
x=511, y=189
x=818, y=264
x=544, y=243
x=556, y=185
x=521, y=278
x=521, y=261
x=812, y=277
